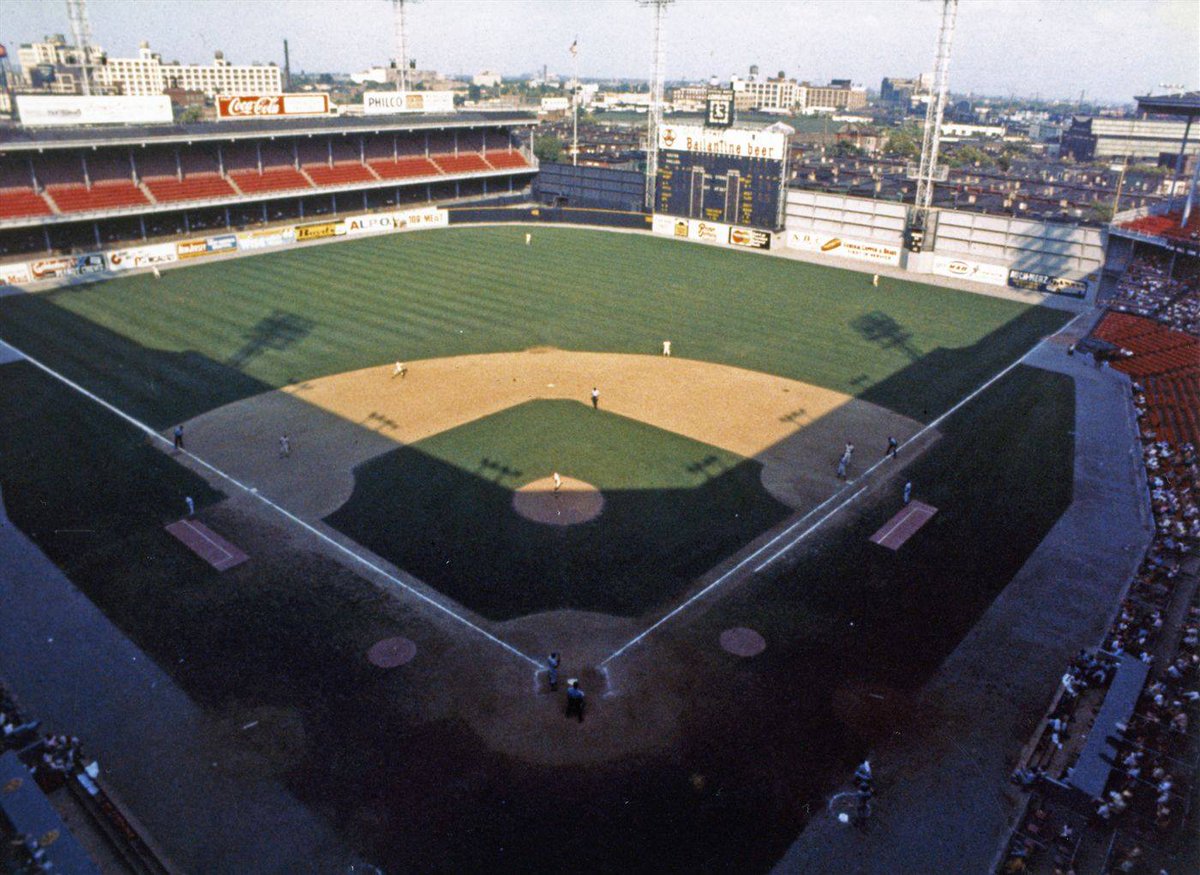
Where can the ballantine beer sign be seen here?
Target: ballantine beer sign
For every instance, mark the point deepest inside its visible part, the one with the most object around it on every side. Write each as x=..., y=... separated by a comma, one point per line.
x=271, y=105
x=769, y=144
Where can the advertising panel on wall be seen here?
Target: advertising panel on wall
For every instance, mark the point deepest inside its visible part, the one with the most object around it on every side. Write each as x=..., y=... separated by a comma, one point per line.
x=267, y=239
x=61, y=110
x=404, y=220
x=391, y=102
x=749, y=238
x=234, y=106
x=14, y=274
x=1042, y=282
x=208, y=246
x=142, y=256
x=319, y=230
x=859, y=250
x=67, y=265
x=974, y=271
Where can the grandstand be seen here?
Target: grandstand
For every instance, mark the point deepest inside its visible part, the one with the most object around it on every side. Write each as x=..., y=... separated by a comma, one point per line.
x=67, y=190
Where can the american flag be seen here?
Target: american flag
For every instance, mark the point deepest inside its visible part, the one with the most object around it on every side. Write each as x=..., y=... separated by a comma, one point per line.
x=575, y=47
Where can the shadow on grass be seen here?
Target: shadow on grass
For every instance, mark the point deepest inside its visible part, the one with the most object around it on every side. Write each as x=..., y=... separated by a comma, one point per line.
x=155, y=386
x=456, y=530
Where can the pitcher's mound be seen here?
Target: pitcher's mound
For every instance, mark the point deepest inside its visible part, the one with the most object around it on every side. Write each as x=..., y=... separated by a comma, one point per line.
x=576, y=502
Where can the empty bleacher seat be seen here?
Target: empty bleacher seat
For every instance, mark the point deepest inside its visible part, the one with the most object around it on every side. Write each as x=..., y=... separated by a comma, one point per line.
x=20, y=202
x=338, y=174
x=198, y=186
x=271, y=179
x=504, y=160
x=101, y=196
x=405, y=168
x=465, y=162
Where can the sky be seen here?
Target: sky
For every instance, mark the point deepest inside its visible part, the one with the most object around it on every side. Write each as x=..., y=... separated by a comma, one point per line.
x=1108, y=49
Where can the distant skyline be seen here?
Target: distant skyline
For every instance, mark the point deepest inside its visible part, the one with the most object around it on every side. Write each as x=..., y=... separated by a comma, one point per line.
x=1108, y=49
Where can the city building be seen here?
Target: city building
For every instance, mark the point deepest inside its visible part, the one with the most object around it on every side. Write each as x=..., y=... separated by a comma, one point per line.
x=778, y=95
x=838, y=94
x=903, y=93
x=147, y=75
x=486, y=79
x=1099, y=139
x=53, y=65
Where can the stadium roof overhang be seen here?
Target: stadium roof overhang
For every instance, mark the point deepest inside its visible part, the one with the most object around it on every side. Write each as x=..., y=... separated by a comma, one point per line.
x=17, y=139
x=1170, y=104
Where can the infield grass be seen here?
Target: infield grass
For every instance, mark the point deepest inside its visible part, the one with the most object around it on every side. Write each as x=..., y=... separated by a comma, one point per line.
x=167, y=349
x=442, y=509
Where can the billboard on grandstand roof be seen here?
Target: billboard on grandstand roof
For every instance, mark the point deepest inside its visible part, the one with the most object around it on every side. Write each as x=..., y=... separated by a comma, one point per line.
x=64, y=110
x=390, y=102
x=252, y=106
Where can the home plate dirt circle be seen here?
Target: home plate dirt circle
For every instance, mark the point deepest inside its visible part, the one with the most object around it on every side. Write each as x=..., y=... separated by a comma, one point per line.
x=741, y=641
x=576, y=502
x=391, y=652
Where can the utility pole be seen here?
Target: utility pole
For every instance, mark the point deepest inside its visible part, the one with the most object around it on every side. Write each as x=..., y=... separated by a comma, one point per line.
x=575, y=105
x=81, y=30
x=398, y=23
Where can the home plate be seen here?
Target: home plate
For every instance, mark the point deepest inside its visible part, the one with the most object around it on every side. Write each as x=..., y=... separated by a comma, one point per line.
x=903, y=525
x=207, y=544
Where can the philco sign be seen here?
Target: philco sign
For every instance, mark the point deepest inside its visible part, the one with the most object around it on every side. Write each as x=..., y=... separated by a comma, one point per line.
x=243, y=106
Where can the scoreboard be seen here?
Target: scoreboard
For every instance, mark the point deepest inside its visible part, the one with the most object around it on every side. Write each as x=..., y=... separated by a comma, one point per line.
x=734, y=176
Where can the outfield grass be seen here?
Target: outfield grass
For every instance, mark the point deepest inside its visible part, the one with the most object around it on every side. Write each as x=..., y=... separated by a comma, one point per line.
x=209, y=333
x=441, y=509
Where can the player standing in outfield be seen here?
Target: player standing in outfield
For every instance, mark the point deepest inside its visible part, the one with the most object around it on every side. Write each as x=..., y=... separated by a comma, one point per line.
x=875, y=281
x=595, y=398
x=400, y=370
x=557, y=483
x=528, y=238
x=285, y=446
x=667, y=348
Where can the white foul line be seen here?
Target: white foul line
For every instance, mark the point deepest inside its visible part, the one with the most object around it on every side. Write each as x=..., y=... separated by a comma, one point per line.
x=195, y=531
x=784, y=550
x=905, y=516
x=141, y=426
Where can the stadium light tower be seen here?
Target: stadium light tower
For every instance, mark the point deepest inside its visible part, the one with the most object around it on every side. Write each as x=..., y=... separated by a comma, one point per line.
x=398, y=23
x=928, y=171
x=81, y=30
x=654, y=113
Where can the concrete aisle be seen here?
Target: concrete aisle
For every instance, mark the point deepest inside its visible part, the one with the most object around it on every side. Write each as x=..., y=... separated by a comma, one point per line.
x=77, y=673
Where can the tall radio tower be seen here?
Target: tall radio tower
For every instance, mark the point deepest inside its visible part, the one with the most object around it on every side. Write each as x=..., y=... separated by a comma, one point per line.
x=82, y=32
x=928, y=172
x=401, y=46
x=654, y=114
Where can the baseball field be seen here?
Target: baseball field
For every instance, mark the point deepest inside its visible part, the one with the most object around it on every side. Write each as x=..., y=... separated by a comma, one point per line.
x=698, y=495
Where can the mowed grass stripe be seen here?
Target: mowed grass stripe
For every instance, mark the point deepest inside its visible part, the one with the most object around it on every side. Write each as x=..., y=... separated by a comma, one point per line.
x=909, y=346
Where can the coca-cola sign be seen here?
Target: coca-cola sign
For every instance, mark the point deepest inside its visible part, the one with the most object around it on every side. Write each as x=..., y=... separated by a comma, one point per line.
x=243, y=106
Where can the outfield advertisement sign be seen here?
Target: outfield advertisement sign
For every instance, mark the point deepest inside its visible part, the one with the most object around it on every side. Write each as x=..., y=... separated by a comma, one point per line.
x=142, y=256
x=14, y=274
x=974, y=271
x=319, y=231
x=710, y=232
x=1042, y=282
x=207, y=246
x=67, y=266
x=388, y=223
x=750, y=238
x=250, y=106
x=267, y=239
x=66, y=110
x=769, y=145
x=842, y=247
x=391, y=102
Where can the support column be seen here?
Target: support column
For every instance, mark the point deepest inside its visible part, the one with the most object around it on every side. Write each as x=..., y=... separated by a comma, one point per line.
x=187, y=226
x=228, y=224
x=264, y=212
x=87, y=179
x=179, y=163
x=258, y=156
x=96, y=234
x=46, y=237
x=142, y=225
x=1179, y=164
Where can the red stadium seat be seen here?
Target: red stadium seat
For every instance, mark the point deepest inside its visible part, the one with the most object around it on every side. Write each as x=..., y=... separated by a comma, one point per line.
x=339, y=174
x=19, y=202
x=271, y=179
x=405, y=168
x=199, y=186
x=467, y=162
x=101, y=196
x=507, y=160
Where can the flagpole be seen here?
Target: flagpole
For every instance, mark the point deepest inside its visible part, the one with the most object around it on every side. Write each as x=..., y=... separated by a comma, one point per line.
x=575, y=106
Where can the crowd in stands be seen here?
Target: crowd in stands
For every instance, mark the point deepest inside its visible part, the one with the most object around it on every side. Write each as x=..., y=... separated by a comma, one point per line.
x=1150, y=288
x=1135, y=825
